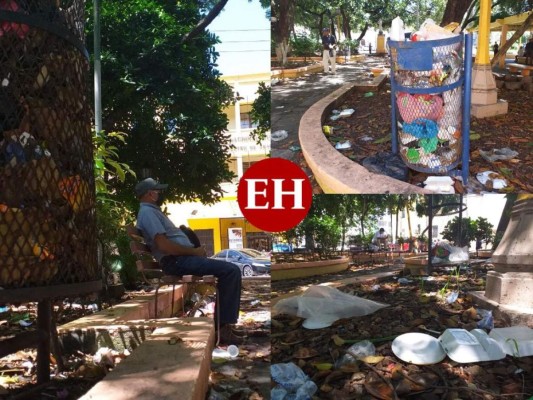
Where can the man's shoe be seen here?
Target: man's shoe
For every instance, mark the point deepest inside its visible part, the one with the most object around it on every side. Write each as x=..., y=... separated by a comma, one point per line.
x=227, y=336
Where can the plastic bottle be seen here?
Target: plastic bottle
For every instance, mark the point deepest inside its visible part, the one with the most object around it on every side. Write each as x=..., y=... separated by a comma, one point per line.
x=360, y=349
x=396, y=30
x=292, y=382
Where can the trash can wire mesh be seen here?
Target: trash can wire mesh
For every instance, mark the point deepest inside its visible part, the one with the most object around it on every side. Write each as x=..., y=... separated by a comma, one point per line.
x=47, y=216
x=427, y=80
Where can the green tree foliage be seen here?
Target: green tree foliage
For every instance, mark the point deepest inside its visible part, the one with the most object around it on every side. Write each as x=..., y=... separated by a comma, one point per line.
x=165, y=92
x=260, y=113
x=484, y=230
x=460, y=233
x=112, y=215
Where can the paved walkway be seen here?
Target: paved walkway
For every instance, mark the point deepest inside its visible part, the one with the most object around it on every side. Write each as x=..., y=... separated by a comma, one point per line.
x=291, y=98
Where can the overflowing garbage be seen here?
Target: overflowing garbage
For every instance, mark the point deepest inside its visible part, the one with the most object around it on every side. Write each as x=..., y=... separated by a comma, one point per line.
x=292, y=383
x=444, y=252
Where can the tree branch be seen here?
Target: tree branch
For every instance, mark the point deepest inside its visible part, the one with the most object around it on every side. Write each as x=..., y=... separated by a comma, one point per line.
x=204, y=22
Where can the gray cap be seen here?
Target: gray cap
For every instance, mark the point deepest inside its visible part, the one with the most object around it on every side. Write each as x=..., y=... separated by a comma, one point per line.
x=148, y=184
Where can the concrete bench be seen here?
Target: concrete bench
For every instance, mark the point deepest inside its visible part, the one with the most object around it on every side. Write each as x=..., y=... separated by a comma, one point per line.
x=523, y=69
x=174, y=362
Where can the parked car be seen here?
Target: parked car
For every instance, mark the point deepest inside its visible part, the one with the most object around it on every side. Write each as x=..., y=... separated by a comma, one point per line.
x=250, y=261
x=282, y=248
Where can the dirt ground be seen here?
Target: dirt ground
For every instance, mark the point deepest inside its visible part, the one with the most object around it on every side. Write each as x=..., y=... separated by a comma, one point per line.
x=368, y=129
x=246, y=377
x=416, y=306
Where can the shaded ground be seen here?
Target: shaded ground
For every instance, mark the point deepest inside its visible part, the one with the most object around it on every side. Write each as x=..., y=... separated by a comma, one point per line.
x=417, y=306
x=292, y=97
x=368, y=130
x=247, y=376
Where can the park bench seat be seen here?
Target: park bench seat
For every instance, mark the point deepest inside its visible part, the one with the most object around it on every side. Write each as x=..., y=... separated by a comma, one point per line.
x=151, y=269
x=523, y=69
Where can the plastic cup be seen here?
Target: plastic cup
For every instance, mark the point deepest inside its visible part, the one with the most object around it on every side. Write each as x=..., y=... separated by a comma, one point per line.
x=233, y=351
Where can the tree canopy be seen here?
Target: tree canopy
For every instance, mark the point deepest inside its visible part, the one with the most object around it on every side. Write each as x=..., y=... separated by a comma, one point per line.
x=160, y=85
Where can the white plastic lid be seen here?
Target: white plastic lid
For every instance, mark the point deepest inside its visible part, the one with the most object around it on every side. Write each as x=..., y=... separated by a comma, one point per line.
x=418, y=348
x=233, y=350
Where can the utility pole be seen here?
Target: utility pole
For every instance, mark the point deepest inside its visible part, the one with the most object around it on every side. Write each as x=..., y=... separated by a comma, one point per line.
x=97, y=69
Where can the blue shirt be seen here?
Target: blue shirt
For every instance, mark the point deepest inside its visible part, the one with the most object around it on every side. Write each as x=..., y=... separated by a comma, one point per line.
x=151, y=221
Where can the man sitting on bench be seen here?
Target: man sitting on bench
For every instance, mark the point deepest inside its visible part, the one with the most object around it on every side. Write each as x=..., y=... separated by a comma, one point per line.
x=177, y=256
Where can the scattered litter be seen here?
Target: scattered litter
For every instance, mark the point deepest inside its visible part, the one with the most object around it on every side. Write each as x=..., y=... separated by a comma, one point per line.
x=233, y=351
x=487, y=320
x=367, y=138
x=280, y=107
x=452, y=297
x=292, y=382
x=418, y=348
x=220, y=355
x=295, y=148
x=343, y=145
x=491, y=179
x=386, y=163
x=498, y=154
x=25, y=324
x=463, y=346
x=357, y=351
x=347, y=112
x=369, y=94
x=335, y=112
x=439, y=184
x=334, y=117
x=255, y=302
x=327, y=129
x=279, y=135
x=404, y=281
x=323, y=305
x=375, y=288
x=516, y=341
x=428, y=278
x=4, y=309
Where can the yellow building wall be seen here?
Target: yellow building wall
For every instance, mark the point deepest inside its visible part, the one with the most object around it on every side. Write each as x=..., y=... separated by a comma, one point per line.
x=220, y=228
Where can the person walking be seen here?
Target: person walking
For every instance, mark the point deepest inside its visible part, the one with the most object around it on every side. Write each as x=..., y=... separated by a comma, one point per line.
x=329, y=53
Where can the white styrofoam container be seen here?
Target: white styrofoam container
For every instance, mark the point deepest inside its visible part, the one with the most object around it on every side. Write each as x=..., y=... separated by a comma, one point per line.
x=474, y=346
x=516, y=340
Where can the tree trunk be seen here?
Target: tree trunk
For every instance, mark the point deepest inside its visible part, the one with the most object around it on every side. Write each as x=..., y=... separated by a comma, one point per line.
x=455, y=11
x=346, y=25
x=363, y=32
x=514, y=38
x=284, y=10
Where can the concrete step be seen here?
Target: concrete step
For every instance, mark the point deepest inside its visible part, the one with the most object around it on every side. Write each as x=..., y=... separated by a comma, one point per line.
x=172, y=363
x=170, y=356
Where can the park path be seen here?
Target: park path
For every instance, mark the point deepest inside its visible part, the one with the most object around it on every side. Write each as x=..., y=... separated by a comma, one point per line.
x=291, y=99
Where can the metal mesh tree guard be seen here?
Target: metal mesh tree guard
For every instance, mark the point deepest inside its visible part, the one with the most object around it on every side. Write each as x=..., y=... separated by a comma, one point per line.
x=430, y=83
x=47, y=215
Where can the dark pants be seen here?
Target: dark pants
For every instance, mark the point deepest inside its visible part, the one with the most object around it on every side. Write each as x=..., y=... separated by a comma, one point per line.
x=228, y=275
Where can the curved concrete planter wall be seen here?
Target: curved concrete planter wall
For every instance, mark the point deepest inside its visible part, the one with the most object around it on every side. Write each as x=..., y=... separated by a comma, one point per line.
x=296, y=72
x=310, y=268
x=334, y=172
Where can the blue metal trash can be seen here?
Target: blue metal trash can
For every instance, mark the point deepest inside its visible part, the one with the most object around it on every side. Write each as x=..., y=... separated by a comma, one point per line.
x=430, y=96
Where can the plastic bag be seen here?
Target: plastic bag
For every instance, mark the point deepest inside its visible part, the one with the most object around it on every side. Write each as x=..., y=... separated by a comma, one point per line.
x=459, y=254
x=487, y=320
x=292, y=382
x=429, y=30
x=324, y=305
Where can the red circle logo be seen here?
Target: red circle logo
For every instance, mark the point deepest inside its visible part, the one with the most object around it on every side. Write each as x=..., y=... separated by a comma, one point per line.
x=274, y=195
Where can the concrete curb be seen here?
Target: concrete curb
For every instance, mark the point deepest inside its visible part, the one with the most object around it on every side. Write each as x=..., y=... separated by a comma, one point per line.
x=334, y=172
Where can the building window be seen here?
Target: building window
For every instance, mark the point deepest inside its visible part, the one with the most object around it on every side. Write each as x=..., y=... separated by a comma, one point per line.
x=246, y=165
x=246, y=121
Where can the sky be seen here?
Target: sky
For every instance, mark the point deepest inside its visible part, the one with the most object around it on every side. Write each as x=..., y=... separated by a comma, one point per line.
x=244, y=32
